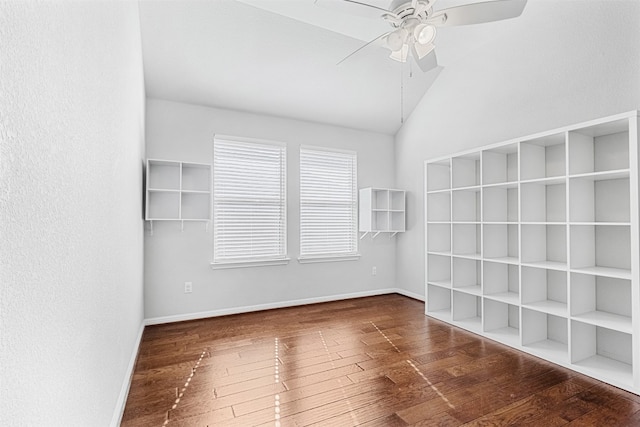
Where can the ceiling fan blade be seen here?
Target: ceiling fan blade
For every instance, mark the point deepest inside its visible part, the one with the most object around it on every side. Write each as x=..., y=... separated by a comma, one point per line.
x=427, y=62
x=478, y=13
x=354, y=7
x=377, y=39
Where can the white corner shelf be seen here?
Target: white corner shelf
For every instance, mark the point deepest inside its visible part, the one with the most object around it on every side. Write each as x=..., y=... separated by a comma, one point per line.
x=535, y=243
x=382, y=210
x=177, y=191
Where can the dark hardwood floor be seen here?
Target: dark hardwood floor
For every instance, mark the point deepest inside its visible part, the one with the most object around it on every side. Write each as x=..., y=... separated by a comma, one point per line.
x=374, y=361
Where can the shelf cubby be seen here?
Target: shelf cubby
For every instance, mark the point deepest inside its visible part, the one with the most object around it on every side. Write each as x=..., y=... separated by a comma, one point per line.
x=397, y=222
x=544, y=290
x=379, y=221
x=439, y=270
x=500, y=165
x=467, y=240
x=500, y=242
x=465, y=171
x=196, y=177
x=501, y=282
x=544, y=245
x=397, y=200
x=602, y=301
x=467, y=275
x=500, y=203
x=439, y=175
x=163, y=175
x=438, y=302
x=601, y=249
x=502, y=321
x=439, y=207
x=466, y=205
x=380, y=199
x=467, y=310
x=598, y=148
x=163, y=205
x=605, y=352
x=545, y=335
x=195, y=206
x=543, y=157
x=600, y=198
x=439, y=238
x=544, y=201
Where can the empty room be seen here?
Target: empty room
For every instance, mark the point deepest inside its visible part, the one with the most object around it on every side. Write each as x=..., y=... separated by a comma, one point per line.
x=319, y=212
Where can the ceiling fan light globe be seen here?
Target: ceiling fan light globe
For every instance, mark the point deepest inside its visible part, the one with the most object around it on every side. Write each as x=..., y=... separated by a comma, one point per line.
x=422, y=50
x=401, y=54
x=396, y=39
x=425, y=34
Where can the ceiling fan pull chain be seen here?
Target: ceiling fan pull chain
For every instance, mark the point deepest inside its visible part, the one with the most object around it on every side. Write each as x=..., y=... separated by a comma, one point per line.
x=402, y=93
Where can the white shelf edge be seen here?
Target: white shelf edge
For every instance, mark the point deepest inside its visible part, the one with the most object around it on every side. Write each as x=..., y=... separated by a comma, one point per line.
x=552, y=180
x=439, y=253
x=162, y=190
x=468, y=256
x=505, y=185
x=207, y=192
x=549, y=265
x=475, y=290
x=471, y=188
x=440, y=283
x=442, y=190
x=606, y=320
x=606, y=175
x=548, y=307
x=609, y=224
x=510, y=298
x=617, y=273
x=503, y=260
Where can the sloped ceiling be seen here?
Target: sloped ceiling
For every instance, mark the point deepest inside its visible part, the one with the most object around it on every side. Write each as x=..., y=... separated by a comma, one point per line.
x=230, y=54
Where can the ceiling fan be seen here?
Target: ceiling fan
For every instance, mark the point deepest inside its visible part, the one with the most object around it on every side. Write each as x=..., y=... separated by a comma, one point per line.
x=414, y=24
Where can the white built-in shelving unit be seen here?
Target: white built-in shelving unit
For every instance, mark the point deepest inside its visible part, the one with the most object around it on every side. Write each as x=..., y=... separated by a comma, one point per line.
x=534, y=243
x=382, y=210
x=178, y=191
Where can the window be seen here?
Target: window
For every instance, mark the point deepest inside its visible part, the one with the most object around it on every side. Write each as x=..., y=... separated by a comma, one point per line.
x=328, y=204
x=249, y=202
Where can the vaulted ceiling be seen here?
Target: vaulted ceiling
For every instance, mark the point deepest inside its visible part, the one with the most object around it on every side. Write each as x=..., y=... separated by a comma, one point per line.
x=280, y=59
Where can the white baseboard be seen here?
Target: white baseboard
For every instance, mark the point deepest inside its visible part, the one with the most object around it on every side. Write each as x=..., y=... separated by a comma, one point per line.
x=279, y=304
x=409, y=294
x=126, y=383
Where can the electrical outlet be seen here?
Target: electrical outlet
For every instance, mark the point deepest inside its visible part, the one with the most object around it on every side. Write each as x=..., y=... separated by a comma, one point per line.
x=188, y=287
x=374, y=271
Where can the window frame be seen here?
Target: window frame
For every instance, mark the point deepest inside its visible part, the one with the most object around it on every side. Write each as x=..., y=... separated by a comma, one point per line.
x=252, y=261
x=331, y=256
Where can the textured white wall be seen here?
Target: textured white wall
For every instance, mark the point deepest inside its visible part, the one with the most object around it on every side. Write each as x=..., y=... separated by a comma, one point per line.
x=561, y=62
x=71, y=150
x=185, y=132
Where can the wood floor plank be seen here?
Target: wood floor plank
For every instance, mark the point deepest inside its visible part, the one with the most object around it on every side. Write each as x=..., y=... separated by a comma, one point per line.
x=375, y=361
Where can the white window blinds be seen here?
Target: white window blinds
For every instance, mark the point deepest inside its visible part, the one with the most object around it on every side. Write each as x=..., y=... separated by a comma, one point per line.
x=328, y=203
x=249, y=201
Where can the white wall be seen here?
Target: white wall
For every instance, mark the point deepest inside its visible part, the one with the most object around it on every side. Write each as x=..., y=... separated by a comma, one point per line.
x=562, y=62
x=185, y=132
x=71, y=153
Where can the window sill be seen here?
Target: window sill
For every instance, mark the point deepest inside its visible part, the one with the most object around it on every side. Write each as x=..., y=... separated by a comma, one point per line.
x=328, y=258
x=249, y=263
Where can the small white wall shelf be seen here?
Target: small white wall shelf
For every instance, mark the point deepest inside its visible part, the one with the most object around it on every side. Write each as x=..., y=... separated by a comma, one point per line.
x=535, y=243
x=178, y=191
x=382, y=210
